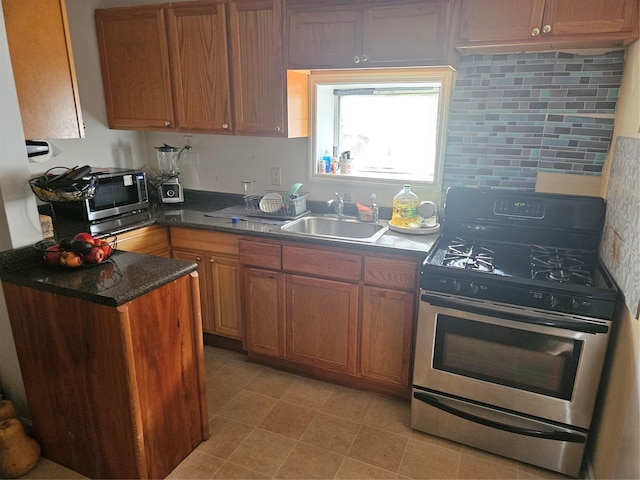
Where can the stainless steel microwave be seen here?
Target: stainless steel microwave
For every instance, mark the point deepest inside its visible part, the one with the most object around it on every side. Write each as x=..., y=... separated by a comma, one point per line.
x=119, y=193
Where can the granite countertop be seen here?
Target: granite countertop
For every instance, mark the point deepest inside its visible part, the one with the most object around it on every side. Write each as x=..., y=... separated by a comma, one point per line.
x=124, y=277
x=193, y=214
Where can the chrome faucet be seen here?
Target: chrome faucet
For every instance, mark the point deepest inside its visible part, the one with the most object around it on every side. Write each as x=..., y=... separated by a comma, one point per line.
x=337, y=204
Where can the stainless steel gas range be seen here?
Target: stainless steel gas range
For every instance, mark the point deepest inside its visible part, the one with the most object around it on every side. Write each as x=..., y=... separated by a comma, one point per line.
x=514, y=323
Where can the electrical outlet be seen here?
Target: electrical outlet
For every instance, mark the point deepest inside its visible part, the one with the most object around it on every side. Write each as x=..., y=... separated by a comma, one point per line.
x=276, y=176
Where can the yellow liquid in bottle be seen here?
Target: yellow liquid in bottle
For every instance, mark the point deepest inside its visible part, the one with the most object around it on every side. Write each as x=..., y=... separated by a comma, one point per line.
x=405, y=208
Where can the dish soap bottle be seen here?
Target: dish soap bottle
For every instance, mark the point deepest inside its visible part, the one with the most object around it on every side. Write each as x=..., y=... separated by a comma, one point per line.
x=405, y=207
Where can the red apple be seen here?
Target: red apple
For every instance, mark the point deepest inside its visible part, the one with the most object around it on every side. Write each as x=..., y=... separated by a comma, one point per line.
x=85, y=237
x=53, y=254
x=71, y=259
x=106, y=248
x=95, y=255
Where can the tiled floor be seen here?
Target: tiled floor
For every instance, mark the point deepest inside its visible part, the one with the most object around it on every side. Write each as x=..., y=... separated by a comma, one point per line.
x=268, y=424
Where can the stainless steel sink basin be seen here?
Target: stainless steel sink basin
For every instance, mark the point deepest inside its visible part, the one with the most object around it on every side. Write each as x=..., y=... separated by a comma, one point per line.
x=336, y=227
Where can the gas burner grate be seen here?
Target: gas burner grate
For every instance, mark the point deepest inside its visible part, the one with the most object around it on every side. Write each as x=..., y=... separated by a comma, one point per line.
x=468, y=255
x=559, y=265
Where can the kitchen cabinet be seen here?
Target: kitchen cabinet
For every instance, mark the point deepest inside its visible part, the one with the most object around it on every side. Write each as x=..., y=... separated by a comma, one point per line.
x=43, y=68
x=166, y=66
x=335, y=313
x=153, y=240
x=508, y=25
x=113, y=391
x=216, y=254
x=368, y=34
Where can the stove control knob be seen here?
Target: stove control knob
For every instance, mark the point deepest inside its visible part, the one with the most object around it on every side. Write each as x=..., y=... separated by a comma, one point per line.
x=457, y=285
x=553, y=301
x=574, y=304
x=474, y=288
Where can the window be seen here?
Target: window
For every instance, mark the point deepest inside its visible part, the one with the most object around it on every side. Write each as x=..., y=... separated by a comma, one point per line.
x=391, y=123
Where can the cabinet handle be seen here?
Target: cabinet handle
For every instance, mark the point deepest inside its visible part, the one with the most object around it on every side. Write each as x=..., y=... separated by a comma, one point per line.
x=225, y=125
x=364, y=58
x=212, y=260
x=535, y=32
x=277, y=128
x=167, y=123
x=356, y=59
x=198, y=259
x=546, y=29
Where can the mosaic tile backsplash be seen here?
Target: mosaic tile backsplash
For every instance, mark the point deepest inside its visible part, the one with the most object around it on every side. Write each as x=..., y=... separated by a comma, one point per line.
x=514, y=114
x=620, y=250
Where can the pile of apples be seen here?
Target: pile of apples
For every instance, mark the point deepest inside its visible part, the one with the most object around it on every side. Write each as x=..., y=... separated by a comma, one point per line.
x=82, y=249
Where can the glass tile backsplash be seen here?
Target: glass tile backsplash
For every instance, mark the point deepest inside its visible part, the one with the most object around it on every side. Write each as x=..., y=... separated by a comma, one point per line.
x=514, y=114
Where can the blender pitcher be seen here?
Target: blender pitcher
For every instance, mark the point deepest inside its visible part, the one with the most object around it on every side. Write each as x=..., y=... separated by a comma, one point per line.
x=170, y=188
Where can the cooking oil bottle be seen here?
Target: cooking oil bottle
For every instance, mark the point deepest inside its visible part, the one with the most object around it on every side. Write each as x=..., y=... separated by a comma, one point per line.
x=405, y=207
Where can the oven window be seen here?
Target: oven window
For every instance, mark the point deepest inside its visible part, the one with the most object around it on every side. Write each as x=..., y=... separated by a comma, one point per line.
x=530, y=361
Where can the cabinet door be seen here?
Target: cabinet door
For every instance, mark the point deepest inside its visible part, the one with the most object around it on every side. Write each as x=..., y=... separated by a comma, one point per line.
x=258, y=67
x=322, y=319
x=589, y=17
x=153, y=240
x=264, y=312
x=499, y=20
x=135, y=67
x=208, y=322
x=224, y=284
x=406, y=34
x=325, y=38
x=43, y=68
x=387, y=323
x=200, y=66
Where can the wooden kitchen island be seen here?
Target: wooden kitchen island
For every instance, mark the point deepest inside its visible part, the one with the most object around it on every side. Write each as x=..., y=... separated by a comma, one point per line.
x=112, y=361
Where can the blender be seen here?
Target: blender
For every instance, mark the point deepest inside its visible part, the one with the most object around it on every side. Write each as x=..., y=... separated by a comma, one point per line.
x=169, y=185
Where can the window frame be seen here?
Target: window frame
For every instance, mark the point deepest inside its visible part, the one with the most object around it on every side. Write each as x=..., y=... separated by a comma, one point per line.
x=344, y=79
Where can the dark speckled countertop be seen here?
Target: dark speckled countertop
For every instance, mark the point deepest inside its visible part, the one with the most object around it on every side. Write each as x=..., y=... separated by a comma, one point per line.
x=192, y=214
x=123, y=278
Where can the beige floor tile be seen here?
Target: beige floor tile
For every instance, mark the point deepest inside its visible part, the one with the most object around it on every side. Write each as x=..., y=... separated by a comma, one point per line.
x=263, y=452
x=331, y=433
x=237, y=374
x=288, y=419
x=472, y=466
x=218, y=395
x=309, y=393
x=225, y=436
x=48, y=469
x=248, y=408
x=307, y=462
x=379, y=448
x=271, y=382
x=428, y=460
x=387, y=413
x=197, y=465
x=349, y=403
x=231, y=471
x=355, y=470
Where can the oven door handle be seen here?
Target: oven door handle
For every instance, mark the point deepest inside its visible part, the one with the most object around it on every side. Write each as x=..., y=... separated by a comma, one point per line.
x=582, y=327
x=549, y=435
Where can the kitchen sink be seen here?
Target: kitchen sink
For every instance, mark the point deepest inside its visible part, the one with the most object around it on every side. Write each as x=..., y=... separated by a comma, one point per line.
x=336, y=227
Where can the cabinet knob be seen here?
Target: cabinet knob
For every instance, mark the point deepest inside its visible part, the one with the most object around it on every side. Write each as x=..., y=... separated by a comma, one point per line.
x=167, y=123
x=356, y=59
x=546, y=29
x=225, y=125
x=212, y=260
x=277, y=128
x=198, y=259
x=364, y=58
x=535, y=32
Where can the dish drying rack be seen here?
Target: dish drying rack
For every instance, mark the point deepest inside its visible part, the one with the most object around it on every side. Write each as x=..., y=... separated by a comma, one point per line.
x=294, y=207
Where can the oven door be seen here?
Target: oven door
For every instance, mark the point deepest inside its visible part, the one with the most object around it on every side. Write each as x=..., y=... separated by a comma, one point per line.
x=521, y=360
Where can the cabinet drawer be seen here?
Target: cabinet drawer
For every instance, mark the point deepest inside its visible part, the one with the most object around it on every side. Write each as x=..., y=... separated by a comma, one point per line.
x=260, y=254
x=153, y=240
x=393, y=272
x=202, y=240
x=322, y=263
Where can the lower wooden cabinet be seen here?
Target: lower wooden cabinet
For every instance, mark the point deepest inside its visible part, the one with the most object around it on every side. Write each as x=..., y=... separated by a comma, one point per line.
x=339, y=313
x=153, y=240
x=220, y=284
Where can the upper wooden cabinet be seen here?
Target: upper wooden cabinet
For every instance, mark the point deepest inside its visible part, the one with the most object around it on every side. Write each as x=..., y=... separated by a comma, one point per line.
x=166, y=67
x=43, y=68
x=514, y=25
x=369, y=34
